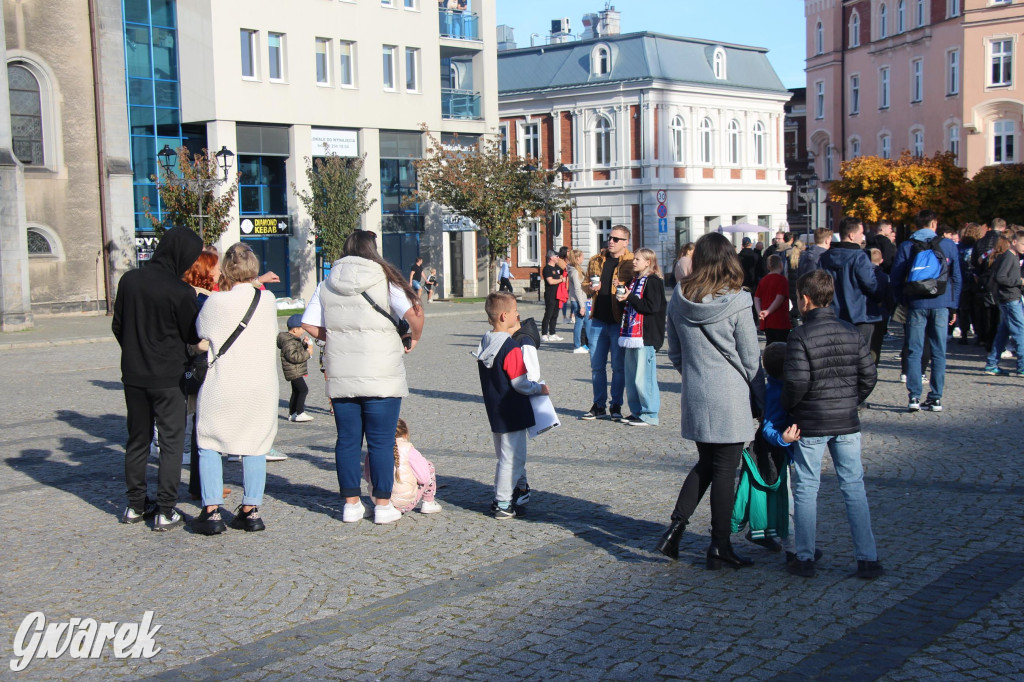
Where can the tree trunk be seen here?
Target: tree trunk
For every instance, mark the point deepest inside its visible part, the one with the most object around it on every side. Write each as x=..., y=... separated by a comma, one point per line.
x=492, y=273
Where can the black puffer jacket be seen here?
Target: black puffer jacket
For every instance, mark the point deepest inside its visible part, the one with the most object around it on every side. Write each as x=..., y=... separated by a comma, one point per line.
x=828, y=372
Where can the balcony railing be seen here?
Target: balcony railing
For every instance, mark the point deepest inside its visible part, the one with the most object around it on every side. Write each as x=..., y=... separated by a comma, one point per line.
x=461, y=104
x=458, y=24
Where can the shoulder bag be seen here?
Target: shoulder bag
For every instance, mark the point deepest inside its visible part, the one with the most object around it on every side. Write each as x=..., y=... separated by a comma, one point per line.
x=198, y=364
x=401, y=325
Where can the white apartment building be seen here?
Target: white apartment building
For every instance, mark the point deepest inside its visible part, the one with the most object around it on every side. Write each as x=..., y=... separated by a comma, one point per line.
x=276, y=81
x=671, y=137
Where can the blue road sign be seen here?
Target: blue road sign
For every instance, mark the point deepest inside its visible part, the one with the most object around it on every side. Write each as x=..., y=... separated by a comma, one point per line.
x=662, y=224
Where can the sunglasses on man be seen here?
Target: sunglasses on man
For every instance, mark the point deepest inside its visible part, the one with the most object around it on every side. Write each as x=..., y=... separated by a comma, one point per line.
x=618, y=239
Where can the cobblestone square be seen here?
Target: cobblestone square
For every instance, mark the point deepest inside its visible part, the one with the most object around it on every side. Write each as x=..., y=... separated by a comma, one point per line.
x=571, y=591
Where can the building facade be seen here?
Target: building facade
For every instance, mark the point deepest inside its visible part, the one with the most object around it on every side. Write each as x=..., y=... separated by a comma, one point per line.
x=671, y=137
x=884, y=76
x=66, y=228
x=279, y=87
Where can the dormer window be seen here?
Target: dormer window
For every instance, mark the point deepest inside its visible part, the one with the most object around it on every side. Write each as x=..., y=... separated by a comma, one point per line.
x=601, y=61
x=718, y=63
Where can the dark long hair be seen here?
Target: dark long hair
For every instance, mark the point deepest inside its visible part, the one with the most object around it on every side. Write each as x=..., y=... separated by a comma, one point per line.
x=363, y=243
x=716, y=267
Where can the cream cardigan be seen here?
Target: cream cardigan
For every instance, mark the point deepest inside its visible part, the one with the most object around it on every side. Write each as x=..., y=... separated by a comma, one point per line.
x=238, y=402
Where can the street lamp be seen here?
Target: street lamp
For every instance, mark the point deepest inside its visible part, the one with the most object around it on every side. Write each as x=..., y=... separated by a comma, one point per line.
x=810, y=194
x=168, y=159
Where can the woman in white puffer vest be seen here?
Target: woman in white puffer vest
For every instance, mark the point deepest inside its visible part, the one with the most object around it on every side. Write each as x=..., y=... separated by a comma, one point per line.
x=364, y=361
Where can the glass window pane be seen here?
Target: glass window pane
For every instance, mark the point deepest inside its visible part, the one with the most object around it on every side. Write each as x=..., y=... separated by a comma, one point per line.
x=143, y=158
x=136, y=10
x=163, y=12
x=146, y=191
x=141, y=121
x=165, y=54
x=140, y=91
x=137, y=49
x=249, y=200
x=248, y=63
x=25, y=102
x=168, y=123
x=20, y=78
x=166, y=94
x=249, y=168
x=275, y=200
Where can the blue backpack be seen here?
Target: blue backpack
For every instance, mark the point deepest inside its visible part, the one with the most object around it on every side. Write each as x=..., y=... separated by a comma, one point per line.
x=928, y=272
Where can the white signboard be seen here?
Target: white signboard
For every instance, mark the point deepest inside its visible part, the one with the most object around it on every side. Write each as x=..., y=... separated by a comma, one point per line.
x=340, y=142
x=453, y=222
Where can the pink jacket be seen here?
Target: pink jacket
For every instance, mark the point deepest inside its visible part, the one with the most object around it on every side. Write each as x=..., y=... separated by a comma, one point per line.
x=411, y=472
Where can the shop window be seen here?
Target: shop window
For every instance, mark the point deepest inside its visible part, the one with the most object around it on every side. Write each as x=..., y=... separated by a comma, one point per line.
x=262, y=185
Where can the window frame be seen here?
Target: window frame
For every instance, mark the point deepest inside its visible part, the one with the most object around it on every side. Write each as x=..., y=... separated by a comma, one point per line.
x=953, y=8
x=733, y=151
x=953, y=140
x=916, y=80
x=351, y=45
x=1005, y=63
x=953, y=71
x=884, y=87
x=41, y=101
x=901, y=16
x=885, y=145
x=603, y=149
x=917, y=141
x=854, y=28
x=999, y=141
x=920, y=13
x=883, y=21
x=706, y=138
x=719, y=65
x=529, y=235
x=529, y=135
x=760, y=142
x=388, y=54
x=819, y=38
x=326, y=43
x=677, y=139
x=854, y=94
x=854, y=147
x=819, y=100
x=254, y=54
x=280, y=78
x=413, y=52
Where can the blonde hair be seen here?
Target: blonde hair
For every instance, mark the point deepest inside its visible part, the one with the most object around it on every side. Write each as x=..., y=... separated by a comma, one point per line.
x=575, y=258
x=794, y=254
x=239, y=265
x=498, y=302
x=401, y=431
x=651, y=257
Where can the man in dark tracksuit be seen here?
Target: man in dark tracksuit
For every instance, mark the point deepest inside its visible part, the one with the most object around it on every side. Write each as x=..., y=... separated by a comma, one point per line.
x=154, y=319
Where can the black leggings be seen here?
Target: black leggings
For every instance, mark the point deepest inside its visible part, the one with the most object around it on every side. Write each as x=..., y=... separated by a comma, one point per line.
x=297, y=403
x=547, y=325
x=716, y=466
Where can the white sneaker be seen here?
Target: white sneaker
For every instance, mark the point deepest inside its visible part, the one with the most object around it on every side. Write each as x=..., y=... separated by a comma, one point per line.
x=385, y=514
x=276, y=456
x=429, y=507
x=581, y=350
x=1007, y=355
x=555, y=337
x=234, y=458
x=903, y=378
x=301, y=417
x=956, y=332
x=353, y=512
x=545, y=337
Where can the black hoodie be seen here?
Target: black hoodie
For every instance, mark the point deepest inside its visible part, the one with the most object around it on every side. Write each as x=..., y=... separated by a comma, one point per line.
x=155, y=313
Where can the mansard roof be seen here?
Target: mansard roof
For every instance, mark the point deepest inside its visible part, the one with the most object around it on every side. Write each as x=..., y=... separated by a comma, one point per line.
x=635, y=57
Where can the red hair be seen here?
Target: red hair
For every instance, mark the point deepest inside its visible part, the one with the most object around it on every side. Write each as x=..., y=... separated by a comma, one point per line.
x=200, y=275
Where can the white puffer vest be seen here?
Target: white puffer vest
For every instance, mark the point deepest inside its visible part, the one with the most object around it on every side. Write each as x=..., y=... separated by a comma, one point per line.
x=364, y=356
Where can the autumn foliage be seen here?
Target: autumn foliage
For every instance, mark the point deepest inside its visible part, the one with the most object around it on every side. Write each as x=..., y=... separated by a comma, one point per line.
x=874, y=188
x=1000, y=192
x=180, y=204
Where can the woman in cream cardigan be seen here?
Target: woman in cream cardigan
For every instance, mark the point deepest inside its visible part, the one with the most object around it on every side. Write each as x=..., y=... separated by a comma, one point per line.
x=237, y=407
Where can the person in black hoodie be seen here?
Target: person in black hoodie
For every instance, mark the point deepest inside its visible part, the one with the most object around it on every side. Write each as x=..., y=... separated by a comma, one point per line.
x=641, y=335
x=154, y=320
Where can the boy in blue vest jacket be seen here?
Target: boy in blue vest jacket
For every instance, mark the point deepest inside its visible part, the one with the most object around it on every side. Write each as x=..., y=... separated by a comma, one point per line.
x=506, y=390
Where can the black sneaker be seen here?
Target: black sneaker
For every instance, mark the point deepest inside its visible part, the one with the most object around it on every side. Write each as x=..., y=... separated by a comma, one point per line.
x=520, y=497
x=209, y=523
x=500, y=513
x=131, y=515
x=634, y=421
x=249, y=521
x=913, y=405
x=803, y=569
x=164, y=522
x=869, y=570
x=791, y=556
x=595, y=412
x=615, y=414
x=932, y=405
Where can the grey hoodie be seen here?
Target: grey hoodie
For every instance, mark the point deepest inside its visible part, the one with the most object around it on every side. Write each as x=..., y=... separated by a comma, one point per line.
x=715, y=397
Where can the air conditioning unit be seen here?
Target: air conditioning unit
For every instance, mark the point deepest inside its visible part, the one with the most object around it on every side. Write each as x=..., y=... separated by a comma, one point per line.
x=560, y=26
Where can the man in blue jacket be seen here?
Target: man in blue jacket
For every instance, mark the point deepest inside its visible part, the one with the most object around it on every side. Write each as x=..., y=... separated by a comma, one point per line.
x=854, y=276
x=927, y=317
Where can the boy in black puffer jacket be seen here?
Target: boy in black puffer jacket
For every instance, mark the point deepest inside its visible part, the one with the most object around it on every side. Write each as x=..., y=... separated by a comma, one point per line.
x=828, y=373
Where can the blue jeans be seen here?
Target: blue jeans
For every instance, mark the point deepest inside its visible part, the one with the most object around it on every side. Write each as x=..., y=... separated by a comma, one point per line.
x=604, y=340
x=642, y=383
x=375, y=419
x=211, y=475
x=1011, y=323
x=845, y=452
x=577, y=330
x=930, y=324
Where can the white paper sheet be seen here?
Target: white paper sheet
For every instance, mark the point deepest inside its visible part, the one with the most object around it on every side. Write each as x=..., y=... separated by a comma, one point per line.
x=543, y=414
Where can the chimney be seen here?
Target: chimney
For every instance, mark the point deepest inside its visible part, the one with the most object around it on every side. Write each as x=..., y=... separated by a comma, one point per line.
x=609, y=25
x=590, y=22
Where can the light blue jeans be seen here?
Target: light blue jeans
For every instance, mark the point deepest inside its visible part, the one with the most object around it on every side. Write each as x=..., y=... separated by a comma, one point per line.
x=927, y=326
x=604, y=341
x=211, y=478
x=642, y=391
x=845, y=451
x=1011, y=323
x=577, y=330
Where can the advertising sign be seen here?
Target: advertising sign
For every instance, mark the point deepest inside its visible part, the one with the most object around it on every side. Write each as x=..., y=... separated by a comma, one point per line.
x=453, y=222
x=264, y=226
x=340, y=142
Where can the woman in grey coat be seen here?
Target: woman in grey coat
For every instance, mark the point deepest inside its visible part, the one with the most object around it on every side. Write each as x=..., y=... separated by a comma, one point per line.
x=712, y=343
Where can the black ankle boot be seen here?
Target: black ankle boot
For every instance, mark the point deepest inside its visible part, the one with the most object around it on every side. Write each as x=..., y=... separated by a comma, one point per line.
x=669, y=542
x=725, y=556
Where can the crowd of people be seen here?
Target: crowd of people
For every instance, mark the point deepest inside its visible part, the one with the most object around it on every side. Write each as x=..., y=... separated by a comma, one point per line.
x=823, y=308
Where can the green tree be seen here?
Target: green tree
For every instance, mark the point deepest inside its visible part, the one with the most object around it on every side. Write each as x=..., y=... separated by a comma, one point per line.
x=874, y=188
x=494, y=190
x=1000, y=192
x=337, y=198
x=180, y=201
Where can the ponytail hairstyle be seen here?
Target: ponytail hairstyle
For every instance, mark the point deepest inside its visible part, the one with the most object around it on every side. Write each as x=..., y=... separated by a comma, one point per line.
x=363, y=243
x=401, y=431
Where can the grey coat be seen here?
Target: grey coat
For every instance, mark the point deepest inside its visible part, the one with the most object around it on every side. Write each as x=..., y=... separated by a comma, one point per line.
x=715, y=399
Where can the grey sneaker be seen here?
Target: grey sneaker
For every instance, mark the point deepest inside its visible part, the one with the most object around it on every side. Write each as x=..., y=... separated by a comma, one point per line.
x=164, y=522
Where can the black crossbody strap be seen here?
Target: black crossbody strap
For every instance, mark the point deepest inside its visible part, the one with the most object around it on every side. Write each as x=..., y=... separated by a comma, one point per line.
x=241, y=325
x=380, y=310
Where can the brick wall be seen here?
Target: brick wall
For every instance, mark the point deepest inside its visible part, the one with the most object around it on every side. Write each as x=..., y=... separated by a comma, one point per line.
x=566, y=132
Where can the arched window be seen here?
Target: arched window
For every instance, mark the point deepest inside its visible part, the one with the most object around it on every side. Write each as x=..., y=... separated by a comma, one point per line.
x=854, y=147
x=919, y=13
x=901, y=16
x=917, y=142
x=705, y=141
x=883, y=21
x=828, y=162
x=733, y=142
x=954, y=140
x=885, y=145
x=677, y=137
x=26, y=115
x=43, y=243
x=759, y=144
x=600, y=60
x=819, y=39
x=719, y=63
x=854, y=29
x=602, y=141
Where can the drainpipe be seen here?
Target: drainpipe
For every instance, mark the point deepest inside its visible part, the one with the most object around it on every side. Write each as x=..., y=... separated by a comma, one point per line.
x=101, y=154
x=640, y=122
x=842, y=92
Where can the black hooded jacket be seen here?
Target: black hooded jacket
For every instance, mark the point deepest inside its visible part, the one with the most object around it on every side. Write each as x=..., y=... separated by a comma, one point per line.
x=155, y=313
